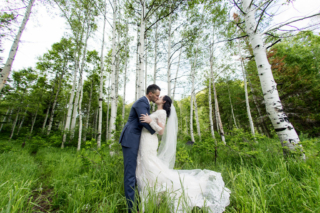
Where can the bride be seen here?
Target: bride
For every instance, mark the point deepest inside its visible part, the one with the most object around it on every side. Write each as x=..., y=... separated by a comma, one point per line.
x=155, y=173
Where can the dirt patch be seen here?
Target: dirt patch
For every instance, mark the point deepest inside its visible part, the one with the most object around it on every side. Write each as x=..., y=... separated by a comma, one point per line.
x=42, y=200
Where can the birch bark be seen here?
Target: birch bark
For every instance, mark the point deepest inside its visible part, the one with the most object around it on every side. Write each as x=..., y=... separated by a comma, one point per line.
x=246, y=94
x=14, y=123
x=7, y=67
x=191, y=106
x=113, y=74
x=137, y=66
x=142, y=51
x=76, y=102
x=88, y=114
x=210, y=105
x=21, y=123
x=101, y=83
x=80, y=119
x=124, y=90
x=284, y=129
x=176, y=77
x=54, y=104
x=169, y=59
x=34, y=120
x=196, y=114
x=107, y=120
x=67, y=124
x=234, y=118
x=4, y=119
x=146, y=71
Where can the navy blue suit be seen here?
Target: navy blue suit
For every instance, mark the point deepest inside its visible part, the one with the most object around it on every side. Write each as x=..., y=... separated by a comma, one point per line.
x=130, y=140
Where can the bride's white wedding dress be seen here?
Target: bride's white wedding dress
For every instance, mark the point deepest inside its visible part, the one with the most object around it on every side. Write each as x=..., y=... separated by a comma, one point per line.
x=185, y=187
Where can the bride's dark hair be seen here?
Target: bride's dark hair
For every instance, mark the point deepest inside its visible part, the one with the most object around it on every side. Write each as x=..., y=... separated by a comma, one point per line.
x=167, y=104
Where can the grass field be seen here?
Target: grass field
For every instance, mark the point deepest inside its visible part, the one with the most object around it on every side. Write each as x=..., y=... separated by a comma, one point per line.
x=48, y=179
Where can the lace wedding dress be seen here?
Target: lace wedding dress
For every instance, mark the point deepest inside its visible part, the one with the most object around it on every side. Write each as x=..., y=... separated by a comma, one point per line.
x=186, y=188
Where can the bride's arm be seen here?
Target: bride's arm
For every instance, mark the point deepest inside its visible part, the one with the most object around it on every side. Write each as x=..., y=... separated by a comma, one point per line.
x=157, y=126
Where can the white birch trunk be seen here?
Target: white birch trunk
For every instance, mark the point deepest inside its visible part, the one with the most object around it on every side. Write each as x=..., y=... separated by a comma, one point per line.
x=70, y=105
x=234, y=118
x=54, y=104
x=137, y=66
x=14, y=124
x=196, y=114
x=191, y=106
x=101, y=83
x=4, y=119
x=76, y=102
x=21, y=123
x=88, y=114
x=192, y=74
x=124, y=90
x=210, y=105
x=176, y=77
x=113, y=74
x=107, y=120
x=48, y=110
x=246, y=94
x=155, y=60
x=7, y=67
x=142, y=51
x=34, y=120
x=80, y=119
x=169, y=59
x=217, y=112
x=146, y=71
x=285, y=130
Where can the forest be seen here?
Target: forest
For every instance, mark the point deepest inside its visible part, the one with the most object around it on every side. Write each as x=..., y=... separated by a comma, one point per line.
x=246, y=88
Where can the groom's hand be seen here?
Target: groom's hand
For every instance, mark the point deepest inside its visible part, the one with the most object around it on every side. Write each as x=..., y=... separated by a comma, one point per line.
x=145, y=118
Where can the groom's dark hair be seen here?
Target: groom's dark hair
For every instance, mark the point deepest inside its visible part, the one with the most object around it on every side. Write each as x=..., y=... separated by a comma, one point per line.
x=152, y=88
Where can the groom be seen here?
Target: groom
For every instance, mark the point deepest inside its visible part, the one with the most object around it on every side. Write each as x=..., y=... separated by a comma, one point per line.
x=130, y=139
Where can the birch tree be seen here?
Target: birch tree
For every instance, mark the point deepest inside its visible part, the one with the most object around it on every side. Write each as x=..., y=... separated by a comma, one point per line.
x=101, y=81
x=284, y=129
x=4, y=73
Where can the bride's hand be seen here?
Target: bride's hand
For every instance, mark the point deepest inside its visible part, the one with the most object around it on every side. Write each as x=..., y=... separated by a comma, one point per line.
x=145, y=118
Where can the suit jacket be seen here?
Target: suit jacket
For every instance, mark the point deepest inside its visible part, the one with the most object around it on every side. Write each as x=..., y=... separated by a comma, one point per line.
x=131, y=133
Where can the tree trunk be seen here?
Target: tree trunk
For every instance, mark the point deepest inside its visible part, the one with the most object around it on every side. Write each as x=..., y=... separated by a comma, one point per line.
x=54, y=104
x=107, y=120
x=14, y=123
x=137, y=66
x=169, y=59
x=34, y=120
x=142, y=50
x=191, y=107
x=246, y=94
x=197, y=117
x=175, y=79
x=285, y=130
x=80, y=119
x=76, y=102
x=234, y=118
x=263, y=124
x=4, y=119
x=101, y=82
x=146, y=70
x=124, y=90
x=21, y=123
x=70, y=105
x=7, y=67
x=48, y=110
x=113, y=74
x=88, y=113
x=210, y=105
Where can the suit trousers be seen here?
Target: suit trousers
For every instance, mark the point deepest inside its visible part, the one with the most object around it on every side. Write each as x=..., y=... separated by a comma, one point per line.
x=130, y=155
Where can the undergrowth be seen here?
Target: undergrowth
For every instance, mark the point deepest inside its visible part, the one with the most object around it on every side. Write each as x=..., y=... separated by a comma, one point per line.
x=41, y=177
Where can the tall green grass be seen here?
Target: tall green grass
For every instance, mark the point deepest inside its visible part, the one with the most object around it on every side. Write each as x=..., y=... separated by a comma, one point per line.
x=259, y=177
